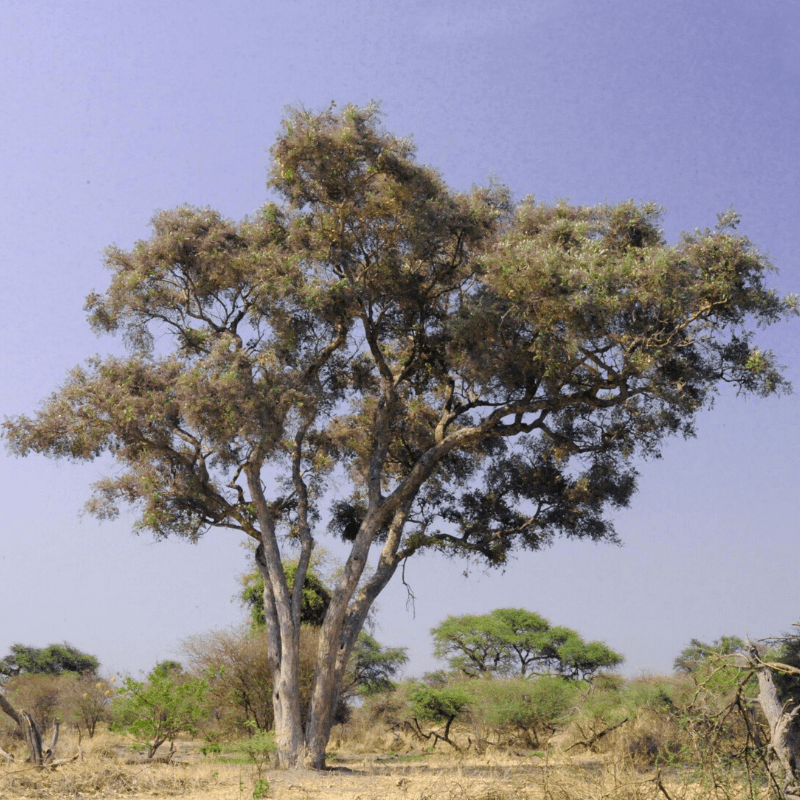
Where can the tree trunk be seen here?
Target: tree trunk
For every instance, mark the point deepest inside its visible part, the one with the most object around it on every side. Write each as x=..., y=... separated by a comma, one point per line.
x=298, y=746
x=283, y=632
x=783, y=743
x=288, y=720
x=341, y=628
x=284, y=658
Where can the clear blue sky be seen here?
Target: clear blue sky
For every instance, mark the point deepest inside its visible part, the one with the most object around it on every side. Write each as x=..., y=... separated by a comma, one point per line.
x=113, y=109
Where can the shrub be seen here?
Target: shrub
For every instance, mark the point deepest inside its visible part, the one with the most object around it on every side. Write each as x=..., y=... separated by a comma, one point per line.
x=86, y=700
x=601, y=710
x=240, y=685
x=54, y=659
x=40, y=695
x=157, y=710
x=236, y=665
x=441, y=704
x=521, y=709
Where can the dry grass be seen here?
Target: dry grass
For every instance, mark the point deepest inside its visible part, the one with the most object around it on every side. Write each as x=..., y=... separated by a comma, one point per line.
x=106, y=767
x=109, y=769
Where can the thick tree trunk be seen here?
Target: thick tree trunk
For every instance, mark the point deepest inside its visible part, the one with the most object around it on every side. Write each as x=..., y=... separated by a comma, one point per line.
x=343, y=622
x=335, y=646
x=289, y=737
x=342, y=627
x=284, y=658
x=783, y=742
x=283, y=632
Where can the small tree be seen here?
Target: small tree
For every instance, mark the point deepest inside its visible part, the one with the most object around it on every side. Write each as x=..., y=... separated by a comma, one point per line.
x=440, y=704
x=87, y=700
x=513, y=641
x=40, y=695
x=157, y=710
x=315, y=600
x=240, y=696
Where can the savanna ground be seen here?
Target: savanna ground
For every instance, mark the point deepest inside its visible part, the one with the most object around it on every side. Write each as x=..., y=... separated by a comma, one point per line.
x=626, y=770
x=350, y=777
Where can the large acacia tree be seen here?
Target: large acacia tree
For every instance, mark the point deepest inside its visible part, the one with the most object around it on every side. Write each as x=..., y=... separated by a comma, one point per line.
x=480, y=374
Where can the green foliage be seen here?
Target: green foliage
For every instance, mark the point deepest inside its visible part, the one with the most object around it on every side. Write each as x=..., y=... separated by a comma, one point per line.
x=212, y=746
x=158, y=709
x=526, y=707
x=657, y=694
x=373, y=666
x=511, y=641
x=602, y=707
x=51, y=660
x=505, y=710
x=315, y=601
x=260, y=788
x=168, y=667
x=697, y=653
x=438, y=704
x=788, y=684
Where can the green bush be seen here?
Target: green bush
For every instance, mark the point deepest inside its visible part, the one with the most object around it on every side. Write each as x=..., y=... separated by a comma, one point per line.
x=438, y=704
x=521, y=710
x=601, y=709
x=54, y=659
x=157, y=710
x=658, y=694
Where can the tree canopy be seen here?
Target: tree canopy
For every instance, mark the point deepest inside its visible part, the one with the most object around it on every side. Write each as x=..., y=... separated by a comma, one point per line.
x=697, y=653
x=473, y=375
x=51, y=660
x=374, y=665
x=514, y=641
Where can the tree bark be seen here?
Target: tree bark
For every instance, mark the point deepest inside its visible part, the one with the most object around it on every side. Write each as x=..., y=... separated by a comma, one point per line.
x=337, y=641
x=284, y=658
x=783, y=741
